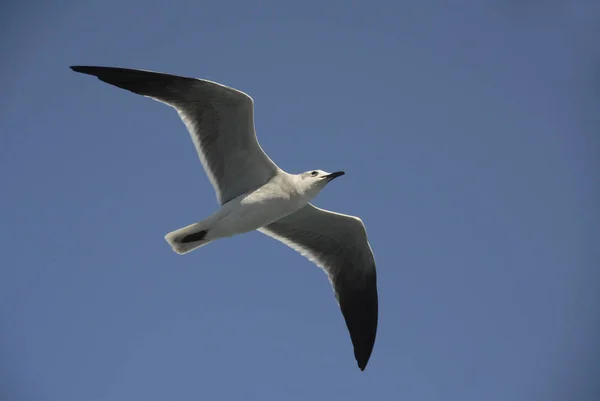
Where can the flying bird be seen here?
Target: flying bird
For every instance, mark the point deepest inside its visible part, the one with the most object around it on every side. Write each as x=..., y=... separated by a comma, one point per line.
x=255, y=194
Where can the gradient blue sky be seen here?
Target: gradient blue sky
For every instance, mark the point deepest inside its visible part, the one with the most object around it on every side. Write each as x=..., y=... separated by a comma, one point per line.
x=469, y=134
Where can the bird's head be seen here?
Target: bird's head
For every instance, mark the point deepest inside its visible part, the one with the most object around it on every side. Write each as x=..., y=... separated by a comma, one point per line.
x=312, y=182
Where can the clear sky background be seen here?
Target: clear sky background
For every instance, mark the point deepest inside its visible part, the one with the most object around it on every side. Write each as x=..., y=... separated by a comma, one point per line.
x=469, y=135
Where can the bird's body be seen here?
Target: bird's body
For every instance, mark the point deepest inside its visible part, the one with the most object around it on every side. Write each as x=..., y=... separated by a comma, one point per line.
x=255, y=194
x=263, y=206
x=277, y=198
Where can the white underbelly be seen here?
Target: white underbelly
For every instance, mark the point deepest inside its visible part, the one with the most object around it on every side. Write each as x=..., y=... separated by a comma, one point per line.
x=244, y=215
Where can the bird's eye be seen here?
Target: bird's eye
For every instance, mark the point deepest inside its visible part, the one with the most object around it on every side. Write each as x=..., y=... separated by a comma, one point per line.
x=314, y=173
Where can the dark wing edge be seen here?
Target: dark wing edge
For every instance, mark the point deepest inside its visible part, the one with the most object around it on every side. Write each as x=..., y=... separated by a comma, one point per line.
x=360, y=308
x=153, y=84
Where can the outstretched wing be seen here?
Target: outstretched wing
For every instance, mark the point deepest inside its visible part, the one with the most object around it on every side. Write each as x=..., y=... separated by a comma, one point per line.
x=220, y=120
x=338, y=244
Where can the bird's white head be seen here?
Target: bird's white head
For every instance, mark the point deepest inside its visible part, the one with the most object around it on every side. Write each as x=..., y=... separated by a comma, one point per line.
x=310, y=183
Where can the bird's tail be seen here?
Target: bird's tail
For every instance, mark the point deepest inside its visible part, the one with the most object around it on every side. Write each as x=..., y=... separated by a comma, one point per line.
x=188, y=238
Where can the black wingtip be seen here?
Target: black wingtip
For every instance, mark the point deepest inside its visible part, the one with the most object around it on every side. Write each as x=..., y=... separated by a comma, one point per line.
x=84, y=69
x=360, y=310
x=79, y=68
x=363, y=360
x=362, y=356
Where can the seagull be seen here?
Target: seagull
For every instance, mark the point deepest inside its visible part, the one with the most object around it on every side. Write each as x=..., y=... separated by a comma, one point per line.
x=255, y=194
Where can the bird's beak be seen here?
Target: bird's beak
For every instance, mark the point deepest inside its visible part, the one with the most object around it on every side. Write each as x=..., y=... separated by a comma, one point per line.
x=331, y=176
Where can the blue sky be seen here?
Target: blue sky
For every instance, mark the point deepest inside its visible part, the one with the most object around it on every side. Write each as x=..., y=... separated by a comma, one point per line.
x=468, y=133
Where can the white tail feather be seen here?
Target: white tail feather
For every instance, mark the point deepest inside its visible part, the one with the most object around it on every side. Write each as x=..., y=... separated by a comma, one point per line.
x=174, y=238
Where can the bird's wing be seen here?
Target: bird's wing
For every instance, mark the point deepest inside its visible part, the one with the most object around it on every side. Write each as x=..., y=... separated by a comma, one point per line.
x=220, y=120
x=338, y=244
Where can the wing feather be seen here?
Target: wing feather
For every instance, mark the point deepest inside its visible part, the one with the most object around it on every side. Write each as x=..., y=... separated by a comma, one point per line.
x=220, y=120
x=338, y=244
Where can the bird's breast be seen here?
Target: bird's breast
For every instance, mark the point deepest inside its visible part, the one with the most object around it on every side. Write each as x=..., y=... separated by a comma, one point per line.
x=258, y=209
